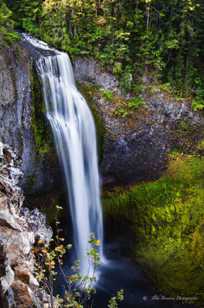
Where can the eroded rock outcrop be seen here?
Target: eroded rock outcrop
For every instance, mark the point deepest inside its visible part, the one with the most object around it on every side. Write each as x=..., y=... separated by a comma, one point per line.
x=136, y=147
x=86, y=69
x=23, y=124
x=19, y=228
x=137, y=141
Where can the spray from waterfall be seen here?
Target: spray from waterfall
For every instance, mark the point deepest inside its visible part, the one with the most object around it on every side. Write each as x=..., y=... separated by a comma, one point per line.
x=75, y=139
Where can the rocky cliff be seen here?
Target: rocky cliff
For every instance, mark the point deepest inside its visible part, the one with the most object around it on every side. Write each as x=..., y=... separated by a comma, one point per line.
x=19, y=228
x=134, y=141
x=23, y=125
x=139, y=130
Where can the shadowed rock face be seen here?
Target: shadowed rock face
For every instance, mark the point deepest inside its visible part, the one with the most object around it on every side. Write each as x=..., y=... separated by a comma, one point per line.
x=18, y=102
x=139, y=148
x=137, y=156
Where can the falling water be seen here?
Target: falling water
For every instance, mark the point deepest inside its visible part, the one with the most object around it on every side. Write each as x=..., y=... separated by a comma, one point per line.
x=75, y=138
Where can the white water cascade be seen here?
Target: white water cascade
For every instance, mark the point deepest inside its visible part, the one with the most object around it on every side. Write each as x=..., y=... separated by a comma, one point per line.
x=75, y=138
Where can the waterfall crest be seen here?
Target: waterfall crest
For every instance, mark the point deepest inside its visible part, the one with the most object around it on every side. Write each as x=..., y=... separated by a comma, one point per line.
x=75, y=139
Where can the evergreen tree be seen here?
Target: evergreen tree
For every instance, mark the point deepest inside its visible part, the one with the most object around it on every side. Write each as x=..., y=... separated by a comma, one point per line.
x=134, y=37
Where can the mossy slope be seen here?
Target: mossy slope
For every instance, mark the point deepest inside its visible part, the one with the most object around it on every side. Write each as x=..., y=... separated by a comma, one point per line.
x=167, y=218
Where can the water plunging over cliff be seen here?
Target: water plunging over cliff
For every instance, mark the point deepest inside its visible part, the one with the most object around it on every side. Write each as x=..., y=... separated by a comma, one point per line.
x=75, y=138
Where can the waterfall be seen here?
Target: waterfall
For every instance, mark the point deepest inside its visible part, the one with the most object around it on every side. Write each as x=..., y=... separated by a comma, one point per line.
x=75, y=139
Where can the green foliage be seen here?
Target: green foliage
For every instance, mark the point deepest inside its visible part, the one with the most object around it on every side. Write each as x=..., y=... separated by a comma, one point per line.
x=117, y=68
x=129, y=106
x=198, y=104
x=107, y=94
x=167, y=218
x=133, y=38
x=53, y=27
x=138, y=88
x=121, y=112
x=79, y=289
x=7, y=24
x=27, y=15
x=121, y=107
x=135, y=103
x=198, y=101
x=127, y=79
x=200, y=145
x=166, y=87
x=113, y=302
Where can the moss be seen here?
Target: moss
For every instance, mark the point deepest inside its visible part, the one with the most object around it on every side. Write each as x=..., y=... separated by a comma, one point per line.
x=90, y=92
x=107, y=94
x=41, y=130
x=122, y=107
x=186, y=135
x=129, y=111
x=167, y=218
x=200, y=145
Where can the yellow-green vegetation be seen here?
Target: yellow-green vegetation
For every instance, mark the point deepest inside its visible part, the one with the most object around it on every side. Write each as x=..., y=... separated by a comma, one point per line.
x=7, y=25
x=200, y=145
x=107, y=94
x=186, y=136
x=167, y=218
x=130, y=38
x=129, y=106
x=123, y=107
x=162, y=38
x=42, y=133
x=120, y=107
x=198, y=104
x=198, y=101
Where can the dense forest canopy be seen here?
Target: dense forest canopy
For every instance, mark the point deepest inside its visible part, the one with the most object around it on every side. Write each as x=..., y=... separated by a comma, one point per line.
x=156, y=38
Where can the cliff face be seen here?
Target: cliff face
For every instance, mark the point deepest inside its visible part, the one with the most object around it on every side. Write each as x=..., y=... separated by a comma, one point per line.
x=134, y=142
x=137, y=147
x=20, y=110
x=140, y=131
x=18, y=230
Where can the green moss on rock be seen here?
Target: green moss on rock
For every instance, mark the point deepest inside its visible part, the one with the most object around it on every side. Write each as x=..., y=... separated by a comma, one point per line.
x=187, y=136
x=200, y=146
x=167, y=218
x=41, y=129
